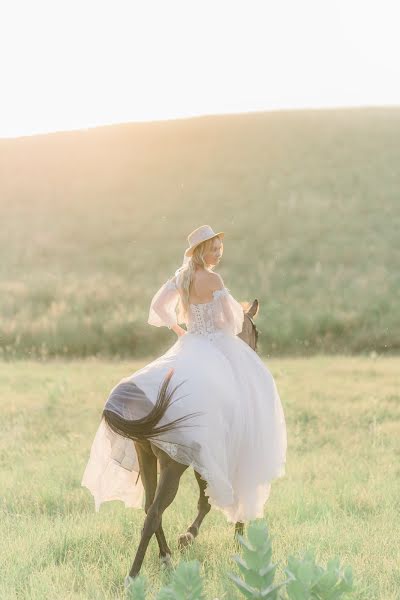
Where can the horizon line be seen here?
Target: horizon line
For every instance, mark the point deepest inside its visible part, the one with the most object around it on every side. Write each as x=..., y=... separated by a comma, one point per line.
x=87, y=128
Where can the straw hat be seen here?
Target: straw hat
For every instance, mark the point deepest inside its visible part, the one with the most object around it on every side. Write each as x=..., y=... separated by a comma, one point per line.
x=199, y=235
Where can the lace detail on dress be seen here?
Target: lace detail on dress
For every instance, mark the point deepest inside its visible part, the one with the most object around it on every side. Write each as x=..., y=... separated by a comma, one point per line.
x=223, y=313
x=169, y=447
x=222, y=292
x=203, y=318
x=188, y=455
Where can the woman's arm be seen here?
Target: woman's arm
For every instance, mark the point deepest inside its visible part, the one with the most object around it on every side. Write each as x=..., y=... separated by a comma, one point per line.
x=178, y=330
x=163, y=304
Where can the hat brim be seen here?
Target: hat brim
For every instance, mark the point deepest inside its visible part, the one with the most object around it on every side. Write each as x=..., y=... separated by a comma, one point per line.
x=189, y=251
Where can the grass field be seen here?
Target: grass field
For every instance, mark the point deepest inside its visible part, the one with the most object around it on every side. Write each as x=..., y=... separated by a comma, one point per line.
x=93, y=222
x=340, y=494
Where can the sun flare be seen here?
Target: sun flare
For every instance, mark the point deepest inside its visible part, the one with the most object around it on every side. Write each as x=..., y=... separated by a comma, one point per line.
x=72, y=65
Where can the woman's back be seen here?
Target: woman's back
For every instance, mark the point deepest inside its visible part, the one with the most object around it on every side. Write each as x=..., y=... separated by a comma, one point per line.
x=203, y=285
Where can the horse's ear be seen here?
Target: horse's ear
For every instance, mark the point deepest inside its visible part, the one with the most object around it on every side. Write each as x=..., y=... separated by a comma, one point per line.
x=254, y=307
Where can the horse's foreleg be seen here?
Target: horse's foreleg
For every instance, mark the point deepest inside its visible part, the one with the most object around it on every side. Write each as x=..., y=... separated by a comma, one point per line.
x=204, y=507
x=170, y=474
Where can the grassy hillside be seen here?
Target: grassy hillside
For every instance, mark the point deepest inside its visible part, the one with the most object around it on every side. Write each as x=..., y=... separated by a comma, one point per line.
x=340, y=494
x=93, y=222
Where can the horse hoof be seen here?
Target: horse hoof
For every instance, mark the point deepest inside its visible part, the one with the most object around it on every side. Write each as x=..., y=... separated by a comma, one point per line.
x=185, y=539
x=165, y=561
x=127, y=581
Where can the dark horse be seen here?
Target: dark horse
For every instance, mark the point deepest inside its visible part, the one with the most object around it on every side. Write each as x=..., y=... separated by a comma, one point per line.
x=158, y=496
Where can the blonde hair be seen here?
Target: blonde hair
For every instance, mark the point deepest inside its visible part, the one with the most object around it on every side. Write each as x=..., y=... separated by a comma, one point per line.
x=186, y=275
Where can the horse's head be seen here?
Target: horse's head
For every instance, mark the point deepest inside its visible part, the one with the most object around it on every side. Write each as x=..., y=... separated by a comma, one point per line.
x=249, y=333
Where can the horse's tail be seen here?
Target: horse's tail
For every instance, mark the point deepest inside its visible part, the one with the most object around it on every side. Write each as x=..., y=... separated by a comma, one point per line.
x=147, y=427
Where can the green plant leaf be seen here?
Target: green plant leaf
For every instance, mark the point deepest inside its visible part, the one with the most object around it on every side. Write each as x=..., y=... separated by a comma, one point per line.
x=137, y=589
x=333, y=564
x=255, y=563
x=242, y=540
x=267, y=569
x=309, y=556
x=292, y=563
x=186, y=581
x=334, y=594
x=246, y=590
x=166, y=593
x=241, y=563
x=327, y=582
x=272, y=590
x=305, y=573
x=348, y=576
x=296, y=591
x=306, y=580
x=339, y=590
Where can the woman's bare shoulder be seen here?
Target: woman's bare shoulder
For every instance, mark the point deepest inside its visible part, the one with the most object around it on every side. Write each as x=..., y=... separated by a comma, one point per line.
x=204, y=284
x=209, y=280
x=216, y=281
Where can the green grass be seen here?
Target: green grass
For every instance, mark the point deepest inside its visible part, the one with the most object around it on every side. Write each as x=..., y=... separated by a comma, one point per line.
x=95, y=221
x=340, y=494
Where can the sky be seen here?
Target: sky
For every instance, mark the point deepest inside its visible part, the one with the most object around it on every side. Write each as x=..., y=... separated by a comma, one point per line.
x=76, y=64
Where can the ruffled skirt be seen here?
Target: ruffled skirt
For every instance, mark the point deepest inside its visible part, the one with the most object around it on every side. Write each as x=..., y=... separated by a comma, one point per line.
x=237, y=440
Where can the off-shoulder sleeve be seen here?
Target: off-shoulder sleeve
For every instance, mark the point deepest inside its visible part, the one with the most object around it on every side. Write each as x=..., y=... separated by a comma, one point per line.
x=230, y=313
x=163, y=305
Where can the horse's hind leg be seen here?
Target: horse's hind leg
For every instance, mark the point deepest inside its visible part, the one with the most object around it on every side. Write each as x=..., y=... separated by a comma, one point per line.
x=167, y=487
x=148, y=474
x=204, y=507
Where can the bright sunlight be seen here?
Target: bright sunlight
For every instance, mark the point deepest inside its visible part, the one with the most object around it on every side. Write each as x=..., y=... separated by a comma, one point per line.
x=68, y=64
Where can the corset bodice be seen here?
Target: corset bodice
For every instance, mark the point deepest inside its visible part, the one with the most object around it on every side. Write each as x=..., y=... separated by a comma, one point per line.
x=201, y=319
x=222, y=315
x=204, y=319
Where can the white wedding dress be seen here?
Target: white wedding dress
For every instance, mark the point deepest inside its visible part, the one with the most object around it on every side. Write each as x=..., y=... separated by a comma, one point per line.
x=238, y=442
